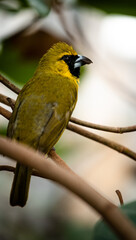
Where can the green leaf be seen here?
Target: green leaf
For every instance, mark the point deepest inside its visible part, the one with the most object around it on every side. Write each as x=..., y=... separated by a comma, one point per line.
x=115, y=7
x=41, y=6
x=74, y=231
x=103, y=231
x=13, y=6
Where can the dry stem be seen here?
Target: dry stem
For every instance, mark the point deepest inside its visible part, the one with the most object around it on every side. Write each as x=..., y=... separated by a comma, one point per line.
x=104, y=128
x=120, y=197
x=9, y=84
x=5, y=113
x=58, y=160
x=12, y=169
x=111, y=144
x=48, y=169
x=10, y=102
x=5, y=100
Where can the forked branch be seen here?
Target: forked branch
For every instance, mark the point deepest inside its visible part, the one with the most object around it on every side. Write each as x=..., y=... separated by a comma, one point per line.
x=48, y=169
x=111, y=144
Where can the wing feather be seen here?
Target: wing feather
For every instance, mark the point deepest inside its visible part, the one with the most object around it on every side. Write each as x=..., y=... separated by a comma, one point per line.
x=41, y=127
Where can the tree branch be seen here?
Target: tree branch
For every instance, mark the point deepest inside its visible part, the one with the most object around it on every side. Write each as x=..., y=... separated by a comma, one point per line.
x=117, y=147
x=120, y=197
x=112, y=215
x=9, y=84
x=12, y=169
x=58, y=160
x=58, y=7
x=11, y=102
x=5, y=113
x=111, y=144
x=104, y=128
x=52, y=154
x=7, y=101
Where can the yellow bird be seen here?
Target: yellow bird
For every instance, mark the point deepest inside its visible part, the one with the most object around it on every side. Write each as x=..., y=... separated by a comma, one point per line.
x=43, y=109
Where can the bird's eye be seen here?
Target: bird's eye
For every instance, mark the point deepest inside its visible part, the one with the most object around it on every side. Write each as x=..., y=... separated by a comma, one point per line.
x=70, y=61
x=65, y=58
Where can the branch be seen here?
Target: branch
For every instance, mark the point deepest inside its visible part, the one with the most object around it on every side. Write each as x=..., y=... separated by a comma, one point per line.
x=7, y=101
x=103, y=128
x=120, y=197
x=11, y=102
x=7, y=168
x=48, y=169
x=52, y=154
x=111, y=144
x=58, y=160
x=58, y=7
x=117, y=147
x=12, y=169
x=35, y=173
x=5, y=113
x=9, y=85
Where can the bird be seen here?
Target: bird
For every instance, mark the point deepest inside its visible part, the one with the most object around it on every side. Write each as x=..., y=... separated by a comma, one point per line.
x=43, y=108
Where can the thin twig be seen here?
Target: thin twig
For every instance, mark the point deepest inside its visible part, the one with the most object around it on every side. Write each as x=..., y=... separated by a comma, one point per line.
x=90, y=135
x=4, y=99
x=8, y=84
x=120, y=197
x=58, y=160
x=12, y=105
x=35, y=173
x=52, y=154
x=7, y=101
x=48, y=169
x=103, y=128
x=117, y=147
x=58, y=7
x=12, y=169
x=11, y=102
x=7, y=168
x=5, y=113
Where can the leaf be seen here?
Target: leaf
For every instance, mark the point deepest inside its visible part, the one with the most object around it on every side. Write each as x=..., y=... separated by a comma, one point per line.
x=103, y=231
x=119, y=7
x=41, y=6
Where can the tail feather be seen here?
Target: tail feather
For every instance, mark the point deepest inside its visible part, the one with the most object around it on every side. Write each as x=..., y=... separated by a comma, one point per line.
x=20, y=186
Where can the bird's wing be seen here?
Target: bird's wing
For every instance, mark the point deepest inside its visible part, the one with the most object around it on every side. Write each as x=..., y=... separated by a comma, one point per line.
x=52, y=131
x=37, y=123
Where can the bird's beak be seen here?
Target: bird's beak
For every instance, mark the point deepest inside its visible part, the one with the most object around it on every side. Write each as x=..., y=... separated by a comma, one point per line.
x=81, y=60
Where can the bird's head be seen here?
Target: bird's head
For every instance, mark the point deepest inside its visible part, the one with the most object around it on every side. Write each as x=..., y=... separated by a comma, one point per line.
x=63, y=59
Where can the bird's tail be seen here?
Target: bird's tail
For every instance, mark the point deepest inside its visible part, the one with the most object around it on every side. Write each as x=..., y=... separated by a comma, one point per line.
x=20, y=186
